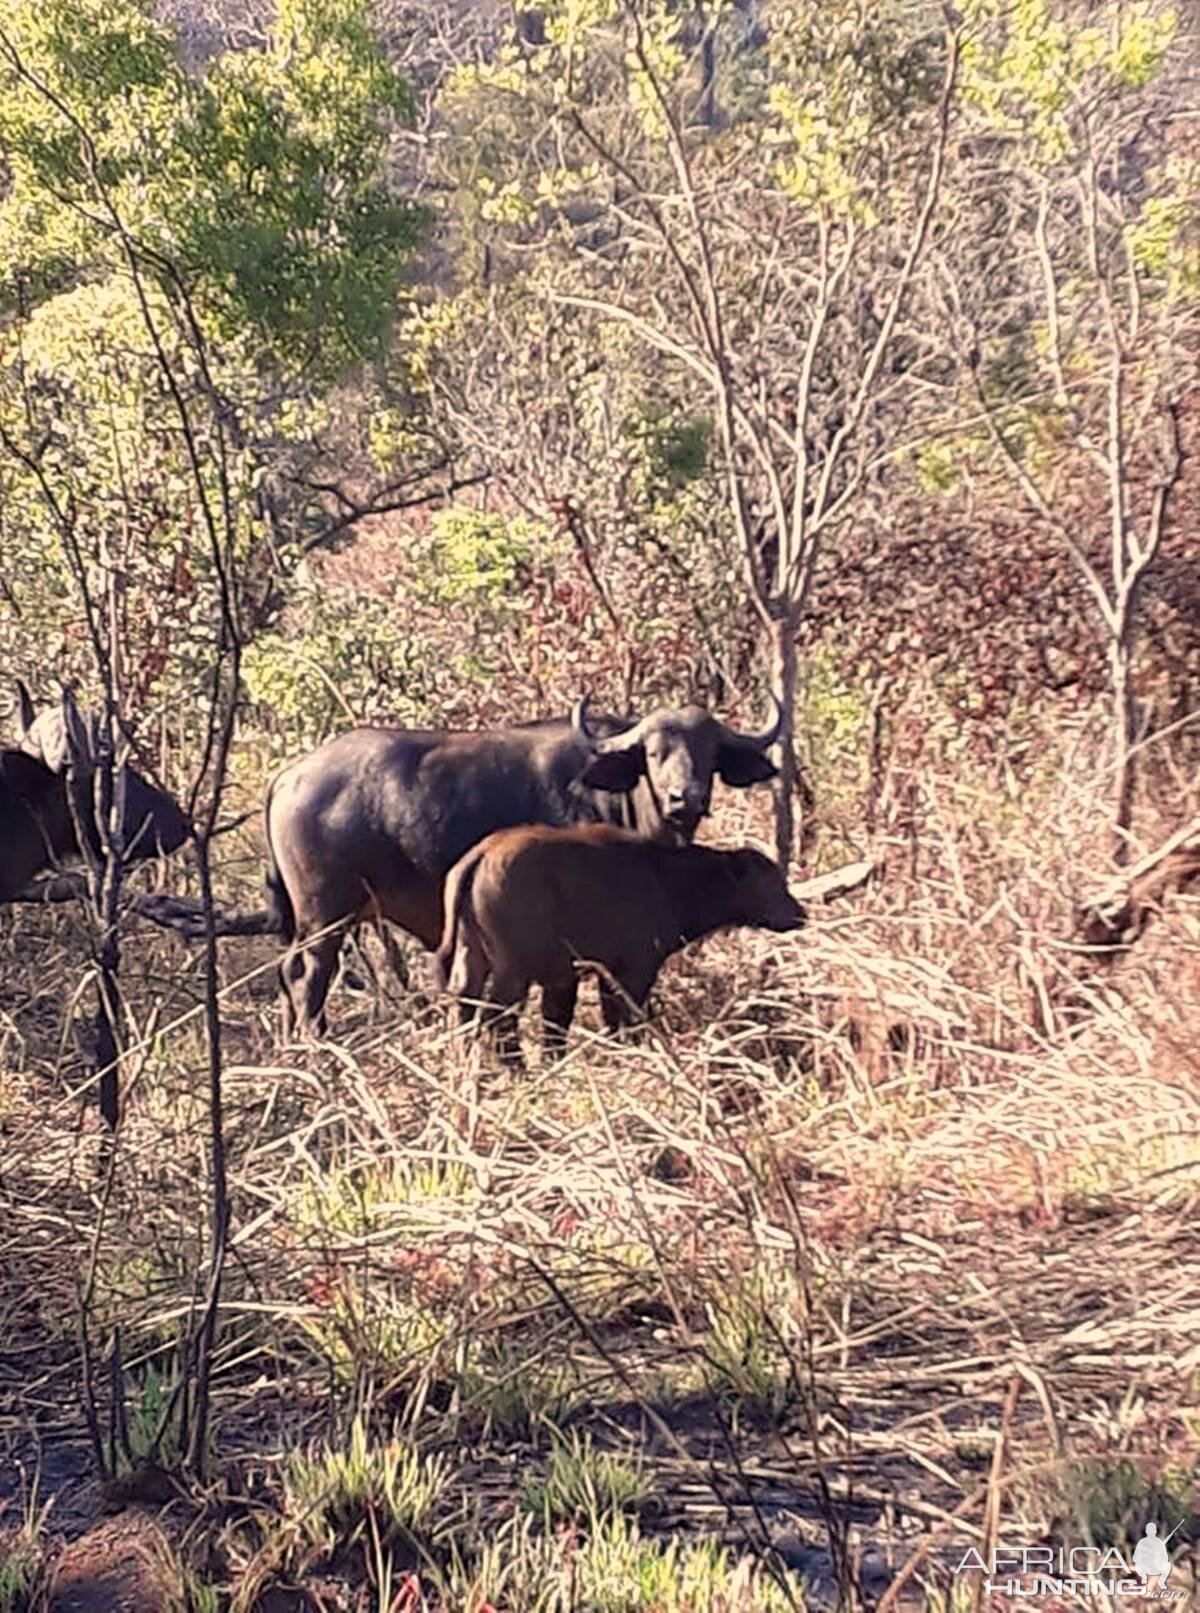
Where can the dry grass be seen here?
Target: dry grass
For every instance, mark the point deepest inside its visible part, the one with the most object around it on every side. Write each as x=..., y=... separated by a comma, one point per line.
x=751, y=1299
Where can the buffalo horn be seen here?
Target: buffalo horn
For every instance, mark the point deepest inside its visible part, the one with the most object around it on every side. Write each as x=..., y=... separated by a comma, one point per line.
x=579, y=722
x=765, y=738
x=614, y=742
x=25, y=708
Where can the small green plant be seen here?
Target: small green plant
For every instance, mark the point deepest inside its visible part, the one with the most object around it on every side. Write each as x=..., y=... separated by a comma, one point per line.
x=956, y=1599
x=1114, y=1498
x=335, y=1493
x=614, y=1569
x=371, y=1196
x=19, y=1562
x=182, y=1588
x=621, y=1572
x=584, y=1484
x=753, y=1322
x=21, y=1555
x=146, y=1413
x=515, y=1393
x=377, y=1329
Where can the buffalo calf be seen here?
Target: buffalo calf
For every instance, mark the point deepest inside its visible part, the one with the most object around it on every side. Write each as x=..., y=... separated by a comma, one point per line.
x=532, y=904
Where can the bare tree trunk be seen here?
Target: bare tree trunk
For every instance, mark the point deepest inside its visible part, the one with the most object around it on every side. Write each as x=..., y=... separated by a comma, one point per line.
x=708, y=74
x=108, y=1046
x=1120, y=661
x=783, y=687
x=206, y=1337
x=90, y=788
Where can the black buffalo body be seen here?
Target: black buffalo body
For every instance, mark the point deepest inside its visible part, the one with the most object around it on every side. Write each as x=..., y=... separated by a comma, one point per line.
x=37, y=830
x=35, y=821
x=369, y=824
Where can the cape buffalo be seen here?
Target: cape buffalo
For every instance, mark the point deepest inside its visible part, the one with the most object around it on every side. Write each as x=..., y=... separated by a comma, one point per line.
x=533, y=904
x=369, y=824
x=35, y=821
x=36, y=828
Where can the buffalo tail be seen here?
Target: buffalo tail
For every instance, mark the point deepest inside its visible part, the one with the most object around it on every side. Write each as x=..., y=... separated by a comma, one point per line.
x=283, y=914
x=450, y=960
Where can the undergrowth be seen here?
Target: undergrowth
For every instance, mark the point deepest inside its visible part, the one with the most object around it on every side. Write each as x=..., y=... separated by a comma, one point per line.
x=735, y=1314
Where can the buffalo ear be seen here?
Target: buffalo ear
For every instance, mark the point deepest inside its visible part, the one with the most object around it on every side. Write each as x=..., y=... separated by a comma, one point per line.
x=738, y=765
x=25, y=711
x=152, y=822
x=617, y=770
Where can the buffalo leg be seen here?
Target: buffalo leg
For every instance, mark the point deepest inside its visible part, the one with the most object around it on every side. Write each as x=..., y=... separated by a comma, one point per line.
x=558, y=1010
x=396, y=956
x=623, y=1005
x=502, y=1015
x=472, y=1000
x=291, y=977
x=306, y=973
x=287, y=1006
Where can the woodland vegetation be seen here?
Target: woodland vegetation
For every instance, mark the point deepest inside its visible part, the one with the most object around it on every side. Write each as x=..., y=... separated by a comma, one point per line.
x=436, y=363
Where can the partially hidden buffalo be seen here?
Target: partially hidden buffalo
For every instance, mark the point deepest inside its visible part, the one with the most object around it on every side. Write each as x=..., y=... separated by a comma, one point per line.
x=369, y=824
x=35, y=821
x=36, y=827
x=535, y=905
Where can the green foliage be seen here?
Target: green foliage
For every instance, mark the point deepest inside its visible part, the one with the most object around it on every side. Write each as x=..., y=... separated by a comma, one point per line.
x=834, y=81
x=612, y=1568
x=1115, y=1498
x=382, y=1330
x=482, y=557
x=753, y=1335
x=257, y=188
x=20, y=1562
x=1166, y=239
x=1030, y=66
x=396, y=1194
x=583, y=1484
x=22, y=1556
x=517, y=1393
x=337, y=660
x=676, y=446
x=185, y=259
x=619, y=1571
x=335, y=1489
x=832, y=716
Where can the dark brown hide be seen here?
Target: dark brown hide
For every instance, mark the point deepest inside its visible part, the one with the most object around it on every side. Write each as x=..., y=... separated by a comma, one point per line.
x=532, y=905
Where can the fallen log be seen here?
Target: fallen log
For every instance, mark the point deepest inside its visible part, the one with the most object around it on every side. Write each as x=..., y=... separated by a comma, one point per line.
x=1116, y=916
x=183, y=914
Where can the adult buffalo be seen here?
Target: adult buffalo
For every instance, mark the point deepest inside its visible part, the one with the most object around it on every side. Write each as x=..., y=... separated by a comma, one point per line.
x=369, y=824
x=35, y=821
x=36, y=826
